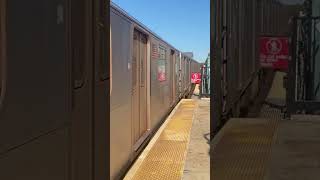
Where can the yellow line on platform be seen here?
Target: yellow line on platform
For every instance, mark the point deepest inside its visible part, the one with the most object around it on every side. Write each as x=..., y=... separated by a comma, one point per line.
x=166, y=158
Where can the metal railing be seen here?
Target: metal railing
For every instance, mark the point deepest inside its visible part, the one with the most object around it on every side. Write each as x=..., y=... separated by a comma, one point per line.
x=303, y=94
x=205, y=78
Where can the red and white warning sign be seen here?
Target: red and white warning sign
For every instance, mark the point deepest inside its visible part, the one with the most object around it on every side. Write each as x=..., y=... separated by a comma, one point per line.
x=195, y=78
x=274, y=52
x=161, y=76
x=161, y=70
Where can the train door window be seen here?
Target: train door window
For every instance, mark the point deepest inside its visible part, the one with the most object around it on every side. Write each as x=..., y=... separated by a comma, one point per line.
x=143, y=55
x=189, y=74
x=166, y=65
x=172, y=71
x=185, y=66
x=189, y=70
x=134, y=59
x=177, y=64
x=162, y=63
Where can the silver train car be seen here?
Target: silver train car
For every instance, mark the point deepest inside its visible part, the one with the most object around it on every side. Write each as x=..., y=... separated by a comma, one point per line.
x=148, y=78
x=54, y=102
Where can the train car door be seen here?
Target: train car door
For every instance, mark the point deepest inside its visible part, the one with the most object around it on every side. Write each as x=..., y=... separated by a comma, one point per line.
x=182, y=67
x=180, y=75
x=172, y=77
x=139, y=88
x=177, y=75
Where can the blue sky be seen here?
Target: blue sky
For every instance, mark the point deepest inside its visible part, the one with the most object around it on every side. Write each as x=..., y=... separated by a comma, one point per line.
x=185, y=24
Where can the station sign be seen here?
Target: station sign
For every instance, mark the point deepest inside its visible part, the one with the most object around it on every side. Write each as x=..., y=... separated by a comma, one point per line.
x=195, y=78
x=274, y=52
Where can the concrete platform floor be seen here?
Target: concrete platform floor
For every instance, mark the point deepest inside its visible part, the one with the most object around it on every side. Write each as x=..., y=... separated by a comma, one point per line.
x=197, y=165
x=295, y=153
x=268, y=148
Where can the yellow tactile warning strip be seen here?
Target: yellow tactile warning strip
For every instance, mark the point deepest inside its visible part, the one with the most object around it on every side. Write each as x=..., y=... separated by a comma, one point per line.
x=243, y=148
x=165, y=159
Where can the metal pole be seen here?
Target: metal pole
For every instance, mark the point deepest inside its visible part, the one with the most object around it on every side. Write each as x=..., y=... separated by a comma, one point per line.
x=212, y=47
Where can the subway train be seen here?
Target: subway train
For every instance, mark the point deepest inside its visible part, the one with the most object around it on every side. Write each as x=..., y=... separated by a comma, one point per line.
x=54, y=76
x=148, y=78
x=54, y=102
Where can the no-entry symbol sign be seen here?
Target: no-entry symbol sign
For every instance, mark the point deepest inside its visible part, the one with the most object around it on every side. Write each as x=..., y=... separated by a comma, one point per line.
x=274, y=52
x=195, y=78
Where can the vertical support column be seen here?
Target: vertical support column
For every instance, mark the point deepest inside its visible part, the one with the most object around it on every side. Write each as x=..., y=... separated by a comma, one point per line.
x=215, y=74
x=101, y=88
x=224, y=55
x=254, y=89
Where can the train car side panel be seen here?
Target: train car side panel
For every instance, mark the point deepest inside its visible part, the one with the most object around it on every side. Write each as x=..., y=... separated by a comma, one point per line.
x=160, y=92
x=120, y=99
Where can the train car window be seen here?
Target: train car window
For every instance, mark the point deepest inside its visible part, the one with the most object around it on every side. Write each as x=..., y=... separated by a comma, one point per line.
x=177, y=64
x=143, y=50
x=162, y=63
x=134, y=58
x=162, y=52
x=171, y=63
x=166, y=65
x=189, y=67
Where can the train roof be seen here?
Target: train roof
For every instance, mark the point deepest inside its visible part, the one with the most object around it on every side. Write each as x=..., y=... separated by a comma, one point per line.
x=127, y=15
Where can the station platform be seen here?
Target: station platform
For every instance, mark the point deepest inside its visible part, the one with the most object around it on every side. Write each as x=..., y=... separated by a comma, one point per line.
x=267, y=148
x=173, y=153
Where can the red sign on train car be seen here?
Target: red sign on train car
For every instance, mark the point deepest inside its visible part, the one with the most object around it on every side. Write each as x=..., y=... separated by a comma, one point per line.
x=274, y=52
x=195, y=78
